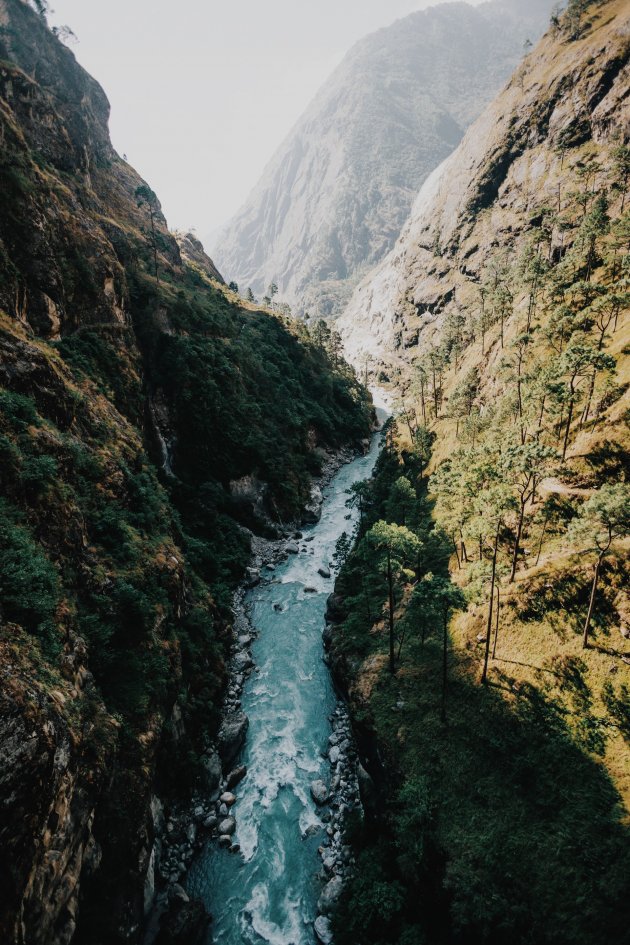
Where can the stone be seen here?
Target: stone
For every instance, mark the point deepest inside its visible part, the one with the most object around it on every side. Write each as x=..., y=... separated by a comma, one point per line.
x=333, y=755
x=225, y=841
x=323, y=930
x=210, y=822
x=212, y=772
x=252, y=577
x=329, y=896
x=243, y=661
x=232, y=736
x=235, y=776
x=319, y=792
x=310, y=590
x=323, y=572
x=228, y=799
x=178, y=892
x=292, y=548
x=227, y=827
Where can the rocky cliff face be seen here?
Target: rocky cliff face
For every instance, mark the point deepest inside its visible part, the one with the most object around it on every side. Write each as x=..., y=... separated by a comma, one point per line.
x=335, y=196
x=133, y=390
x=569, y=95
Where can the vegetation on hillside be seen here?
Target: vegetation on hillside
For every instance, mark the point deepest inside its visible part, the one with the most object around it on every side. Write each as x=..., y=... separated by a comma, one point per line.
x=504, y=758
x=134, y=390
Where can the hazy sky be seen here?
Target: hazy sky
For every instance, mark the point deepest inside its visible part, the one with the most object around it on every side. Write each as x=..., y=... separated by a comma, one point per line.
x=203, y=91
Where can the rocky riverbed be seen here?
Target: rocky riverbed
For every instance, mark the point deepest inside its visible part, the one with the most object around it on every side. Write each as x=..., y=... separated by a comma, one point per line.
x=182, y=832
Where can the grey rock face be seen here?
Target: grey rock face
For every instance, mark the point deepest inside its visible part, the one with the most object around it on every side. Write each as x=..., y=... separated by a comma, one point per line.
x=399, y=308
x=212, y=771
x=336, y=194
x=227, y=827
x=330, y=895
x=323, y=930
x=232, y=736
x=319, y=792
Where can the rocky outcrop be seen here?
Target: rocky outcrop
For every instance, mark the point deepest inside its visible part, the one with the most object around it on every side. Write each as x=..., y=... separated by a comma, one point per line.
x=333, y=199
x=492, y=188
x=194, y=254
x=50, y=785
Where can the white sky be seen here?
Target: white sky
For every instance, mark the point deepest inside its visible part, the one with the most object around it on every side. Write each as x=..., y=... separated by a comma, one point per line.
x=203, y=91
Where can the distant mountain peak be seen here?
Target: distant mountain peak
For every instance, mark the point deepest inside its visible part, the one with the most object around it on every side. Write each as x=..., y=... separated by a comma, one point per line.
x=335, y=196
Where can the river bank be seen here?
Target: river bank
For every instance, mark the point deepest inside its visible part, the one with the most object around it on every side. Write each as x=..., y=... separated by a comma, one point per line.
x=181, y=832
x=272, y=849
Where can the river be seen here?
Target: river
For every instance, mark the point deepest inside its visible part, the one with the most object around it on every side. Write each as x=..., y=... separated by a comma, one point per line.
x=268, y=892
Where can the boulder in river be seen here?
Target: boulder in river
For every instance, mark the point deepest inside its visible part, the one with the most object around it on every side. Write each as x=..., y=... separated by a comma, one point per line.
x=228, y=798
x=329, y=896
x=323, y=930
x=232, y=736
x=292, y=548
x=319, y=792
x=227, y=827
x=324, y=571
x=235, y=777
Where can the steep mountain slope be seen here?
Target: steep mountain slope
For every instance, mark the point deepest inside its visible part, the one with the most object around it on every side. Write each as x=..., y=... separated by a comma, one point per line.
x=333, y=199
x=511, y=165
x=137, y=395
x=481, y=625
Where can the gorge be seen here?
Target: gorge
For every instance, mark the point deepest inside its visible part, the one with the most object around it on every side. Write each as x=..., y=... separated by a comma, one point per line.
x=267, y=675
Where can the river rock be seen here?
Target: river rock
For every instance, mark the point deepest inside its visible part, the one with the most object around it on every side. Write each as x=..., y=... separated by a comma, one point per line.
x=178, y=892
x=333, y=755
x=319, y=792
x=243, y=661
x=228, y=799
x=232, y=736
x=323, y=930
x=310, y=590
x=330, y=895
x=292, y=548
x=210, y=822
x=227, y=827
x=235, y=776
x=212, y=773
x=323, y=571
x=252, y=577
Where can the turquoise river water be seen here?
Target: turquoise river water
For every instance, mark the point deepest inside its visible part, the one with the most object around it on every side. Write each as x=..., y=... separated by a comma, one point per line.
x=268, y=892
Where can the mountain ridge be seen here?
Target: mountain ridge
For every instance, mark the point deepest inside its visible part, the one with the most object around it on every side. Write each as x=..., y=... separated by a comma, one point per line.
x=395, y=106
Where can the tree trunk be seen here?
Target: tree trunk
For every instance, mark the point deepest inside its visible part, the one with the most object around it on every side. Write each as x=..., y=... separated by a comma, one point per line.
x=587, y=622
x=496, y=624
x=517, y=543
x=567, y=431
x=444, y=664
x=390, y=582
x=484, y=675
x=459, y=564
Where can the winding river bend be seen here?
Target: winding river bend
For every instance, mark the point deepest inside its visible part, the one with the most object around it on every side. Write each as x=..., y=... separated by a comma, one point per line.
x=268, y=892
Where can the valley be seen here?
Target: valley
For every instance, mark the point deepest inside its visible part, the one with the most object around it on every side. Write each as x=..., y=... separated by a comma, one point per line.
x=314, y=612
